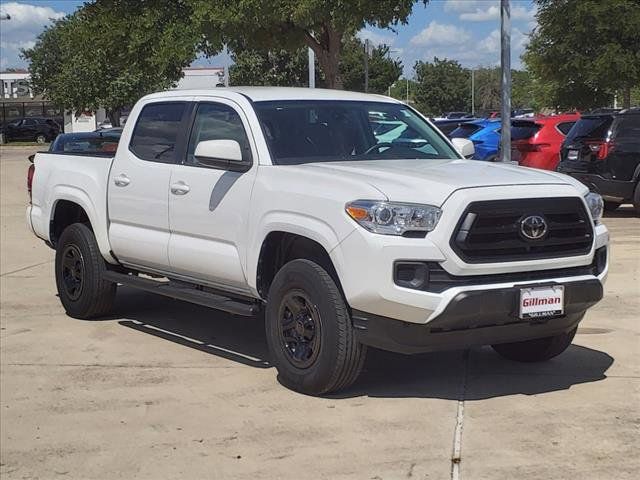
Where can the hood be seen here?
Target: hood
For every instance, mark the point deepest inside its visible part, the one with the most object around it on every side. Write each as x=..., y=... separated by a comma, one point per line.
x=433, y=181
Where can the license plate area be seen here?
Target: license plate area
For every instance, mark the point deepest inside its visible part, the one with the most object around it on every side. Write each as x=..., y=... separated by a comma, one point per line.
x=572, y=155
x=541, y=302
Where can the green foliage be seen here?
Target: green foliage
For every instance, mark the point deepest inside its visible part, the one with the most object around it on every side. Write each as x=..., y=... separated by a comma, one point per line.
x=383, y=70
x=291, y=24
x=284, y=68
x=584, y=50
x=109, y=53
x=275, y=67
x=442, y=85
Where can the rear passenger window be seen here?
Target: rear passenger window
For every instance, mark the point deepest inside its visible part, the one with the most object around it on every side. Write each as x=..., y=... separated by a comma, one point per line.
x=216, y=121
x=156, y=132
x=564, y=127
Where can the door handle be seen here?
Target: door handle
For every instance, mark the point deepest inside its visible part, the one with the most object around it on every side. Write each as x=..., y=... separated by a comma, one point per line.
x=180, y=188
x=121, y=180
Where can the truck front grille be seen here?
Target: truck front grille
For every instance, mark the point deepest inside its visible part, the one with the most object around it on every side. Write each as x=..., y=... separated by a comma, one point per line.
x=493, y=231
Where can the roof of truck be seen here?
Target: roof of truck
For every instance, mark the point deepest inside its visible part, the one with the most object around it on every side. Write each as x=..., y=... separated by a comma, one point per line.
x=258, y=94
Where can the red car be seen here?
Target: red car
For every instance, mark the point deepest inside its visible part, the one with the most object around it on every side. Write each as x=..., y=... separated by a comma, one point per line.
x=536, y=143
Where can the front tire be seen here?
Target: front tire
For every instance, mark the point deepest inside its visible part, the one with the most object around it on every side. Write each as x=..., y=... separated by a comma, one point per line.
x=611, y=206
x=309, y=331
x=537, y=350
x=79, y=274
x=41, y=138
x=636, y=199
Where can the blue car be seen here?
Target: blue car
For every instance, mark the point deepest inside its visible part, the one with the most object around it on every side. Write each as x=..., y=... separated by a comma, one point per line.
x=485, y=135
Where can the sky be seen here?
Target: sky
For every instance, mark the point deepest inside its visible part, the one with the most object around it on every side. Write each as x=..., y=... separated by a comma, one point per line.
x=464, y=30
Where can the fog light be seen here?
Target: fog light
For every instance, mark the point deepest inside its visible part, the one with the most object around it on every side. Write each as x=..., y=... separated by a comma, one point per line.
x=414, y=275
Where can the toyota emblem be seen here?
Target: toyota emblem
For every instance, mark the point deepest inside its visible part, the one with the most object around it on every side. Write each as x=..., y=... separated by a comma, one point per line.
x=533, y=227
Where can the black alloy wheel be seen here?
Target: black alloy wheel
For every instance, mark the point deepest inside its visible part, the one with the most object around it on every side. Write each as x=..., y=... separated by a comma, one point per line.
x=300, y=328
x=73, y=271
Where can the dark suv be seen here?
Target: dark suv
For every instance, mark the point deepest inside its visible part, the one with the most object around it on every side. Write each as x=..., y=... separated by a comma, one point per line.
x=32, y=129
x=603, y=152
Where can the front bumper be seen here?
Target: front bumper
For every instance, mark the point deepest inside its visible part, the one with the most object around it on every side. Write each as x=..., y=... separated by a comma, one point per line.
x=365, y=262
x=612, y=190
x=479, y=317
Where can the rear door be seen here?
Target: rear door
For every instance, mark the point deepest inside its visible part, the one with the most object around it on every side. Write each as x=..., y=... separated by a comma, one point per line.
x=624, y=152
x=209, y=205
x=139, y=184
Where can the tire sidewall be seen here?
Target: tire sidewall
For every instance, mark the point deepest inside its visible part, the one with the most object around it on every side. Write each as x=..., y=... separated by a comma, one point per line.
x=80, y=236
x=301, y=275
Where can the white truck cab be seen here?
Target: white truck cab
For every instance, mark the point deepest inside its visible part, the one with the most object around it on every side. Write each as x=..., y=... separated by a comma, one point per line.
x=348, y=218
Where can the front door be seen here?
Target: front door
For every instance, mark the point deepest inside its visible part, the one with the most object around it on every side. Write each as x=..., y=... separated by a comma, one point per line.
x=208, y=207
x=139, y=186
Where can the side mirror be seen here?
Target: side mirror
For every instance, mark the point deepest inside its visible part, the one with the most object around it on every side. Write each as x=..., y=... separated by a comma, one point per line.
x=222, y=154
x=464, y=146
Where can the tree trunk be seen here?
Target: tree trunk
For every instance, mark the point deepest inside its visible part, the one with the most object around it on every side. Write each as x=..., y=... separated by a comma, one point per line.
x=626, y=97
x=114, y=117
x=327, y=48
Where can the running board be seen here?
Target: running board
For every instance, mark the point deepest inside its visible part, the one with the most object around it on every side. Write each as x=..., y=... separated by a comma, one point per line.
x=186, y=293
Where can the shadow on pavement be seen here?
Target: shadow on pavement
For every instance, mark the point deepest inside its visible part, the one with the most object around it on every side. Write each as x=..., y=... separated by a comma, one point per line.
x=385, y=374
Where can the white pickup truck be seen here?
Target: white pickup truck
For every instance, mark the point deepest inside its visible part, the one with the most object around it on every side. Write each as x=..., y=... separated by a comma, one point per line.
x=348, y=218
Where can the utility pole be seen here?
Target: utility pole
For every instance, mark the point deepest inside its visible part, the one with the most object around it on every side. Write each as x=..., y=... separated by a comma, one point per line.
x=473, y=93
x=366, y=65
x=312, y=68
x=226, y=66
x=505, y=83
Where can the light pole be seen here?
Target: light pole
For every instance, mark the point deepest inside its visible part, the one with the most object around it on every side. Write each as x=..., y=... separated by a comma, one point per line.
x=505, y=82
x=312, y=68
x=366, y=65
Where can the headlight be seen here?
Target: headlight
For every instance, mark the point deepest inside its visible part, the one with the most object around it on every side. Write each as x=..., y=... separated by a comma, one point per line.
x=595, y=204
x=390, y=218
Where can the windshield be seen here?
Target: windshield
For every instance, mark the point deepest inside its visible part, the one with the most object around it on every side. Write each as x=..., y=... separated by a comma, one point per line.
x=325, y=131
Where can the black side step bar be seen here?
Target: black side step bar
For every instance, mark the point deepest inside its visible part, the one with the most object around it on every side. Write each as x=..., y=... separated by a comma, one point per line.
x=186, y=293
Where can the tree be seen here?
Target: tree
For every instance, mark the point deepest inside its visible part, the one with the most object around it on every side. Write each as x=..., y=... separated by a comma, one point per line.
x=586, y=49
x=383, y=70
x=284, y=68
x=442, y=85
x=321, y=25
x=271, y=67
x=487, y=88
x=111, y=52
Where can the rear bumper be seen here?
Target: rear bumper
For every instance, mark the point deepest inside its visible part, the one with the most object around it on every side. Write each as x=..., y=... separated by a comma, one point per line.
x=479, y=317
x=612, y=190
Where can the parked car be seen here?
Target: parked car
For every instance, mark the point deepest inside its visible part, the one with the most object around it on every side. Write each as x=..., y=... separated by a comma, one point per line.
x=485, y=135
x=603, y=152
x=32, y=129
x=522, y=113
x=536, y=143
x=283, y=200
x=448, y=125
x=102, y=141
x=455, y=115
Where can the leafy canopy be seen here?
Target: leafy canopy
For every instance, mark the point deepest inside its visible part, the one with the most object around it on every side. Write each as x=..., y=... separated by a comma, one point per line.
x=584, y=50
x=111, y=52
x=442, y=85
x=321, y=25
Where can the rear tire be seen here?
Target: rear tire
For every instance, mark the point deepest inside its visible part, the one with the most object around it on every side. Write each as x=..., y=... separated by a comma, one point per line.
x=537, y=350
x=636, y=199
x=41, y=138
x=79, y=274
x=309, y=332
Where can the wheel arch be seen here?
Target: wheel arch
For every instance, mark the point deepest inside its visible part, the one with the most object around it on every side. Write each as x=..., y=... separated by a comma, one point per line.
x=280, y=247
x=73, y=205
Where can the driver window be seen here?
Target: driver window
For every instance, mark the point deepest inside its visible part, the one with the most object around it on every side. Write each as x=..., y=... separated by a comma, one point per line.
x=216, y=121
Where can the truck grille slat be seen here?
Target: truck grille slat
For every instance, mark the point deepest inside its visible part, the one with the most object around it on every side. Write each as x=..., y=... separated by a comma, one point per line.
x=490, y=231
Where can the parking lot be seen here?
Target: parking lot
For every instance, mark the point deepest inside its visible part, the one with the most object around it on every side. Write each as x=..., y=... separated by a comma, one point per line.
x=165, y=389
